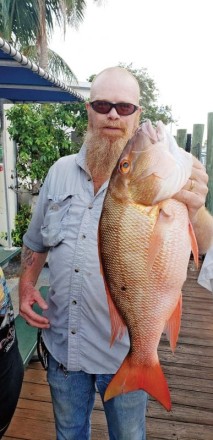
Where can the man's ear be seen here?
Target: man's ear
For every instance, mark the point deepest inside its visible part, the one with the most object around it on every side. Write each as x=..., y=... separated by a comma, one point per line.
x=87, y=105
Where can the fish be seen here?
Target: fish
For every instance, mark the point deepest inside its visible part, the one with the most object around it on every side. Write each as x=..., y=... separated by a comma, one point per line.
x=145, y=241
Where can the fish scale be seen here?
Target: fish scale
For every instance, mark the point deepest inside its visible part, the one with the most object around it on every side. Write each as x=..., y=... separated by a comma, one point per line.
x=144, y=251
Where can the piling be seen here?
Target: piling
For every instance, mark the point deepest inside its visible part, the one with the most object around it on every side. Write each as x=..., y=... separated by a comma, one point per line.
x=181, y=137
x=197, y=140
x=209, y=162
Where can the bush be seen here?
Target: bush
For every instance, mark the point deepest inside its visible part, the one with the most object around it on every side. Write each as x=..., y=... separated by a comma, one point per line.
x=22, y=220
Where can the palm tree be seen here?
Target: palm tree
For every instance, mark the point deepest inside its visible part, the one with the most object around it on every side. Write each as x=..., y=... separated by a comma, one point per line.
x=29, y=25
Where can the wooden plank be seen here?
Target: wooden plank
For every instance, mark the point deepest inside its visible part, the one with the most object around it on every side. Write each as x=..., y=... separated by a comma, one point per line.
x=189, y=373
x=172, y=430
x=35, y=392
x=29, y=428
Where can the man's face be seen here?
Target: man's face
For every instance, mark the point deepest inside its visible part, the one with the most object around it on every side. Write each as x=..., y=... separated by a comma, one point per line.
x=111, y=125
x=107, y=134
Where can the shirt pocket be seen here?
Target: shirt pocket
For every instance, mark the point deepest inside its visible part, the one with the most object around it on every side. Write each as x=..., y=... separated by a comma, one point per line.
x=53, y=229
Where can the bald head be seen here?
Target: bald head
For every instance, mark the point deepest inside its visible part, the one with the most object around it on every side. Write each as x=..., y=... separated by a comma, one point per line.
x=115, y=84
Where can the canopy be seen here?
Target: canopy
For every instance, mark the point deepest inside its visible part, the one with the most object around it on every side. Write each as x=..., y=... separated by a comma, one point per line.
x=21, y=81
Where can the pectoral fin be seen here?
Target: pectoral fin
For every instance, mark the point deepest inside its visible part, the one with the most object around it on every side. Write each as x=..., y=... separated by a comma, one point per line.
x=159, y=233
x=172, y=327
x=194, y=245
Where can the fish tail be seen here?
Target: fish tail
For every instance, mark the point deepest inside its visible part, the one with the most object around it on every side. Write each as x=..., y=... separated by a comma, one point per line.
x=134, y=377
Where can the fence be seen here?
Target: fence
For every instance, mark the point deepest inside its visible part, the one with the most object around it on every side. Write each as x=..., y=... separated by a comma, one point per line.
x=204, y=152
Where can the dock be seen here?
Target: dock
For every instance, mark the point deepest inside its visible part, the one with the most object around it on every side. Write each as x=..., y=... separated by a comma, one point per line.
x=189, y=372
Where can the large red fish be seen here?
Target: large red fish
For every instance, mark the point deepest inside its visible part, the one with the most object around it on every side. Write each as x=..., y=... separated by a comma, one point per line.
x=145, y=241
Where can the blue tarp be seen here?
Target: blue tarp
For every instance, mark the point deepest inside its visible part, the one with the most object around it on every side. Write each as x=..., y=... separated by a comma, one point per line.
x=21, y=80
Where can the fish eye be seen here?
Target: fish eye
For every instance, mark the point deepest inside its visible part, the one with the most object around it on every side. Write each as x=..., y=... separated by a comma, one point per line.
x=124, y=166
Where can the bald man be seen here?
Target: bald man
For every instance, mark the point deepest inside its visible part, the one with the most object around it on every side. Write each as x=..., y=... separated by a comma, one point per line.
x=75, y=320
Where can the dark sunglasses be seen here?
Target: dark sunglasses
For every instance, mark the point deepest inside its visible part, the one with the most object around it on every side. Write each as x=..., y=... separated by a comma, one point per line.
x=122, y=108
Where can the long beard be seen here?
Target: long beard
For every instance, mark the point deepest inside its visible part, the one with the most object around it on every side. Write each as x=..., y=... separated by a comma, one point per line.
x=103, y=152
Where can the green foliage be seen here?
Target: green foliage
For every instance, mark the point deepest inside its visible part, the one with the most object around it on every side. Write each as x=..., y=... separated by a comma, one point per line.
x=22, y=220
x=43, y=134
x=149, y=96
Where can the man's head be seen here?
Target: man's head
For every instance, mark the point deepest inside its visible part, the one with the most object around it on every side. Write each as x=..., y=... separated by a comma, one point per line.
x=109, y=132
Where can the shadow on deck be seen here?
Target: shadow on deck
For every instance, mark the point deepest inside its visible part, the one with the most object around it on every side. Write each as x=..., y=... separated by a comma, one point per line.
x=189, y=373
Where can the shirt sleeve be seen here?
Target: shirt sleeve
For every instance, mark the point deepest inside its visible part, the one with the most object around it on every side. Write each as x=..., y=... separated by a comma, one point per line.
x=33, y=238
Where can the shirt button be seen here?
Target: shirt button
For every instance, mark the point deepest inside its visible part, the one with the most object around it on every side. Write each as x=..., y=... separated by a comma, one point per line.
x=73, y=332
x=89, y=179
x=83, y=236
x=74, y=302
x=90, y=207
x=76, y=269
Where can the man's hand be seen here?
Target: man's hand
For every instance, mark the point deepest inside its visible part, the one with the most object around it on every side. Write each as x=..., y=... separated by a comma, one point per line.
x=193, y=194
x=28, y=297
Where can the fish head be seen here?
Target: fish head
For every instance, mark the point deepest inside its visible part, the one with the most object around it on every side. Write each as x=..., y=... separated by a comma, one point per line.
x=151, y=167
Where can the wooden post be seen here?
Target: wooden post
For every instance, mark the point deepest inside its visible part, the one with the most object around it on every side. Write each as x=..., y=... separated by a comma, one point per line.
x=197, y=140
x=188, y=142
x=181, y=137
x=209, y=162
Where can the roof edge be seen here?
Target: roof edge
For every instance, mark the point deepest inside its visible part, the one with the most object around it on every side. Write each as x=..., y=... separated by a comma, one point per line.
x=26, y=62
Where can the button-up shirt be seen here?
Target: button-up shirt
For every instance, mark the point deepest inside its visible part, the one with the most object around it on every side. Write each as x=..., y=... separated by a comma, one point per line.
x=65, y=223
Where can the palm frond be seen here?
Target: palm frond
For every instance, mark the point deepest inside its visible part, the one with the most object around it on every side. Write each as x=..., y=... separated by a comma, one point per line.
x=60, y=69
x=19, y=20
x=56, y=65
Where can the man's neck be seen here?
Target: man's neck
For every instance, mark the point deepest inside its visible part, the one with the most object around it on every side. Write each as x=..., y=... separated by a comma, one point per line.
x=98, y=181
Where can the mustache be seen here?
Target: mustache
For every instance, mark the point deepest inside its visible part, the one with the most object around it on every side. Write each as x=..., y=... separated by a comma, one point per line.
x=112, y=124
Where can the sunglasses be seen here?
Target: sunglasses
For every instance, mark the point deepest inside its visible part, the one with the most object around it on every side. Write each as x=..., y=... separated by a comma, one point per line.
x=122, y=108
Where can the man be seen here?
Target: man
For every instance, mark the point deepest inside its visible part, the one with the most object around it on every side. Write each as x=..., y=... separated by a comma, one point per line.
x=11, y=365
x=75, y=321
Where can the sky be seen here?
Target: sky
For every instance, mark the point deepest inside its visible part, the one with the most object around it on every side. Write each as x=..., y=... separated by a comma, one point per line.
x=172, y=39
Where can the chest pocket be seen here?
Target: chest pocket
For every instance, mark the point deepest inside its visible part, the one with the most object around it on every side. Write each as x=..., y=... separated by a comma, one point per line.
x=53, y=229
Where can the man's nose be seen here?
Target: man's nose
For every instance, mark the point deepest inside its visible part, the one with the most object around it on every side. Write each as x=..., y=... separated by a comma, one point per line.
x=113, y=114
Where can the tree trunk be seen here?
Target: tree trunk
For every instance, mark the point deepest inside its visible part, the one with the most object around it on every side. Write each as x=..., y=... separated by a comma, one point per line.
x=42, y=47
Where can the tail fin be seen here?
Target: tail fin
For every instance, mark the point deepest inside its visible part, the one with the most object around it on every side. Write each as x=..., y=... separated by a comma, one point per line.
x=134, y=377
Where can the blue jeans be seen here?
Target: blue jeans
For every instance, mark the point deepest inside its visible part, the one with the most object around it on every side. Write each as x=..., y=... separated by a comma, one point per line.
x=73, y=397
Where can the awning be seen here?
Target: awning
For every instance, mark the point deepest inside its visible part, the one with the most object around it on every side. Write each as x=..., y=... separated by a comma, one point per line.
x=21, y=80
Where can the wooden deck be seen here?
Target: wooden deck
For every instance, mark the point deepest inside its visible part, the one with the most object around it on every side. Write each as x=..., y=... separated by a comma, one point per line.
x=189, y=373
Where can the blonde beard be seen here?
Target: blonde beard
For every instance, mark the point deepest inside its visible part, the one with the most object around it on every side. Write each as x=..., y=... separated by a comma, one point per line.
x=103, y=153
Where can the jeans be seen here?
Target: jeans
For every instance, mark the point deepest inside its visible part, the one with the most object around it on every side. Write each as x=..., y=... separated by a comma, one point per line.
x=73, y=396
x=11, y=377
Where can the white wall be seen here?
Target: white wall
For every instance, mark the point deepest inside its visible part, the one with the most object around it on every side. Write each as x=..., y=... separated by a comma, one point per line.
x=10, y=161
x=83, y=88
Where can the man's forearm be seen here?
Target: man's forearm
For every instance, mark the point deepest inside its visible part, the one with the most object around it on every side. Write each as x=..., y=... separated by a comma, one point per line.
x=203, y=228
x=31, y=265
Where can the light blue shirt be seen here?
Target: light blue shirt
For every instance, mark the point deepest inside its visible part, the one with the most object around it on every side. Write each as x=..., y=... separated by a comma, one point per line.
x=65, y=223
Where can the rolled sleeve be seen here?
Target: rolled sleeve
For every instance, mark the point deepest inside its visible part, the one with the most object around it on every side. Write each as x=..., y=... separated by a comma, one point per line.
x=33, y=238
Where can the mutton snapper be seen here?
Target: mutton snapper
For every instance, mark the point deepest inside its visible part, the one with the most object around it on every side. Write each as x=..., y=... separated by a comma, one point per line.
x=145, y=241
